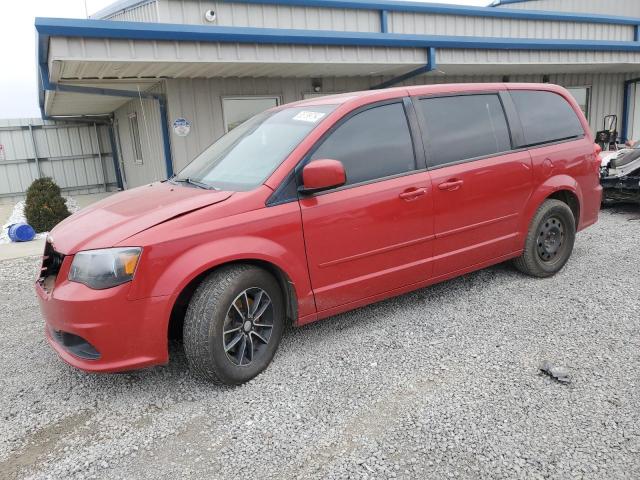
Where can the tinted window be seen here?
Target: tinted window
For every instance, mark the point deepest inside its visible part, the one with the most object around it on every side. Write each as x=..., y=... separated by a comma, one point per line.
x=545, y=117
x=463, y=127
x=372, y=144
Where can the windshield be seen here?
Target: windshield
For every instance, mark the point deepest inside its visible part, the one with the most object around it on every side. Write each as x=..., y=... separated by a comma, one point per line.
x=246, y=156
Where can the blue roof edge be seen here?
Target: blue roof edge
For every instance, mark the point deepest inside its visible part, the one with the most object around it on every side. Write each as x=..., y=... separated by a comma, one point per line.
x=497, y=3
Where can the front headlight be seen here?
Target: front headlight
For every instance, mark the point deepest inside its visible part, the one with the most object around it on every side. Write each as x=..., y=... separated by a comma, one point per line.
x=105, y=268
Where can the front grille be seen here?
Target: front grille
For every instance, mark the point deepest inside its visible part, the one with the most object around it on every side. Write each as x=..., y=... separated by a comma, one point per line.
x=51, y=263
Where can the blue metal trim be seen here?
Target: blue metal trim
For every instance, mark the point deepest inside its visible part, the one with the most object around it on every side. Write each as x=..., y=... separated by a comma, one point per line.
x=384, y=21
x=636, y=33
x=497, y=3
x=166, y=145
x=429, y=67
x=438, y=8
x=204, y=33
x=624, y=130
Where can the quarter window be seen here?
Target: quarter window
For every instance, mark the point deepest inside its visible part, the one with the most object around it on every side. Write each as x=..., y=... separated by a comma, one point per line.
x=463, y=127
x=545, y=117
x=372, y=144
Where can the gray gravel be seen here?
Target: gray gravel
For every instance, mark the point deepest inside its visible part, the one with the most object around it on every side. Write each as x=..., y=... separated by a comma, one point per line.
x=442, y=382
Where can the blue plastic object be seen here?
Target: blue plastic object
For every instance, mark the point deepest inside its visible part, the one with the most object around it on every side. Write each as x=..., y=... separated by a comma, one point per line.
x=21, y=232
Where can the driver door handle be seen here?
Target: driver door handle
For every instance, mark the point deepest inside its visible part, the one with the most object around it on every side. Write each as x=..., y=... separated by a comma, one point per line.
x=413, y=193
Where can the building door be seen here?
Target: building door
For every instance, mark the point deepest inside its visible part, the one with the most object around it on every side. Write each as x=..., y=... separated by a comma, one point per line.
x=375, y=233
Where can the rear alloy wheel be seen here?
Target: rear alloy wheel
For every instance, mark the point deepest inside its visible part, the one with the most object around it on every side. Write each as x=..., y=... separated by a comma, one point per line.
x=549, y=242
x=233, y=324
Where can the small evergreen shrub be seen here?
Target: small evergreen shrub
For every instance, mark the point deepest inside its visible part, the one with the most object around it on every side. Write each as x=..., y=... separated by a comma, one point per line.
x=44, y=207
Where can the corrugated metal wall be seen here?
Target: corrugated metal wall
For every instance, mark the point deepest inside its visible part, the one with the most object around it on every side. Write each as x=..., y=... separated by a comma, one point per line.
x=425, y=24
x=146, y=12
x=270, y=16
x=287, y=16
x=69, y=153
x=200, y=100
x=153, y=166
x=627, y=8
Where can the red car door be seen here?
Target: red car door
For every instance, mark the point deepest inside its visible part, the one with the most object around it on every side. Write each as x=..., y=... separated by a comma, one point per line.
x=375, y=233
x=480, y=188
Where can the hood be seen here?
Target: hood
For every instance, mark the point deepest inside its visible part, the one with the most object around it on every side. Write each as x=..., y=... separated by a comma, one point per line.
x=119, y=216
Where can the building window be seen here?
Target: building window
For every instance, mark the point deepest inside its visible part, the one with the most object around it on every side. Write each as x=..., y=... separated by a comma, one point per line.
x=236, y=110
x=583, y=97
x=134, y=132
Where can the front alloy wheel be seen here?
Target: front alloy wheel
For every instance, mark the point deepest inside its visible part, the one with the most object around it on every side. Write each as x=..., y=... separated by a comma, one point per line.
x=248, y=326
x=233, y=324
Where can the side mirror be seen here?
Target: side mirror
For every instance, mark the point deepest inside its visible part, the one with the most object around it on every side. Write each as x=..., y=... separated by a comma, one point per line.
x=321, y=175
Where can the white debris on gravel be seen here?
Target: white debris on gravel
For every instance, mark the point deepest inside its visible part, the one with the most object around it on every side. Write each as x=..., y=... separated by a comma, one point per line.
x=17, y=216
x=439, y=383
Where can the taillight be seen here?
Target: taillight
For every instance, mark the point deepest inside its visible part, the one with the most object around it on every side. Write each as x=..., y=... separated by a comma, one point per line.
x=597, y=161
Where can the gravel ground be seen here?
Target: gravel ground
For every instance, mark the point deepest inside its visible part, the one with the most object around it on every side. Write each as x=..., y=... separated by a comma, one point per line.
x=442, y=382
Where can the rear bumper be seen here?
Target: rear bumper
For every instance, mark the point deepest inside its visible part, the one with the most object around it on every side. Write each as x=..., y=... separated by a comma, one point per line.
x=590, y=207
x=120, y=334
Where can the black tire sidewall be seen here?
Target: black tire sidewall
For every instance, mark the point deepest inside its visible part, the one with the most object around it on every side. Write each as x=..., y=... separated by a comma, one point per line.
x=213, y=361
x=564, y=213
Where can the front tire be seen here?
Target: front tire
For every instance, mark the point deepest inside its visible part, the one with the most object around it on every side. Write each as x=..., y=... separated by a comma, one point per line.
x=550, y=240
x=233, y=324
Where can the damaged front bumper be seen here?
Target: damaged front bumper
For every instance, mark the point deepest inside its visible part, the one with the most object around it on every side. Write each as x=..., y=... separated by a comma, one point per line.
x=620, y=176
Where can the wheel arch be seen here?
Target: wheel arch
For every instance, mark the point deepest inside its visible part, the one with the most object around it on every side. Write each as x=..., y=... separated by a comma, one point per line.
x=183, y=297
x=559, y=187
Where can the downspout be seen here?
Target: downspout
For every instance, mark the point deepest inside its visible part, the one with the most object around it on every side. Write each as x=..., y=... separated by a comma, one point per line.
x=429, y=67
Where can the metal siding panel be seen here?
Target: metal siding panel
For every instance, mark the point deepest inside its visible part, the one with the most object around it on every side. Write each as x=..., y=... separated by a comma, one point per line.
x=549, y=58
x=430, y=24
x=270, y=16
x=141, y=13
x=66, y=152
x=629, y=8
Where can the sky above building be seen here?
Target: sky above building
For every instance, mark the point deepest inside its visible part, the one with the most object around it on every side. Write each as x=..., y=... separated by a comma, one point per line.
x=18, y=80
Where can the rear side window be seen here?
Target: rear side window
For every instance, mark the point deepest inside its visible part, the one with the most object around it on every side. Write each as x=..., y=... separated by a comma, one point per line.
x=464, y=127
x=545, y=117
x=372, y=144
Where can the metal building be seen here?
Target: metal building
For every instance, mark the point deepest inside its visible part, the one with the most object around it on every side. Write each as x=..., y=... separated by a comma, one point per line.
x=76, y=155
x=173, y=75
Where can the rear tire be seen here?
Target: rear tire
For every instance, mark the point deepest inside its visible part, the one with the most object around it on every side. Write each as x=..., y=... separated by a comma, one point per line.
x=550, y=240
x=233, y=324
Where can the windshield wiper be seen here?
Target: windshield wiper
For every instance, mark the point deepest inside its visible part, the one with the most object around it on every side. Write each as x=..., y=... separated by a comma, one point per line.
x=193, y=182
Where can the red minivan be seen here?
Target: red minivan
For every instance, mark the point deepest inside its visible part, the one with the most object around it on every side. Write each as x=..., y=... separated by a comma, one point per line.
x=314, y=208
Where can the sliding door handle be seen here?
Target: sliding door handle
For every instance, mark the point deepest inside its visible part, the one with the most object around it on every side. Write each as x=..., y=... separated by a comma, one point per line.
x=452, y=184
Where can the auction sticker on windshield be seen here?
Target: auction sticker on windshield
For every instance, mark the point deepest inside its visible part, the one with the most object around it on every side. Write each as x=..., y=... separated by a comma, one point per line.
x=306, y=116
